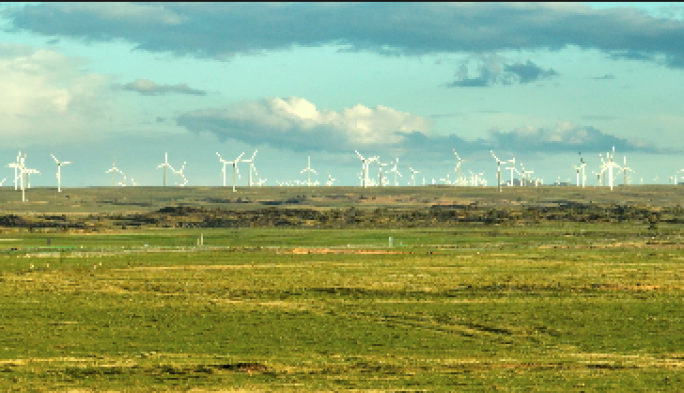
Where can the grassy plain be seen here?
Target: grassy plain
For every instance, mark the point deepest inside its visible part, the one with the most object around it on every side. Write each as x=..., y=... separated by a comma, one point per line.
x=553, y=306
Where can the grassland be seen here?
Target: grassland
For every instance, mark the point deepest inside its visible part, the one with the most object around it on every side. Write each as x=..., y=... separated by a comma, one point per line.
x=557, y=306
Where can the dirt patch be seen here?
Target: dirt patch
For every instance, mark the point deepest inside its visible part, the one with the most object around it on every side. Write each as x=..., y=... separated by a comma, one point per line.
x=344, y=251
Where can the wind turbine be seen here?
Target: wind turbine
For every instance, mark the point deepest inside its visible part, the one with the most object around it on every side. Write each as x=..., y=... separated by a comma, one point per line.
x=235, y=168
x=261, y=182
x=180, y=172
x=59, y=171
x=308, y=170
x=113, y=170
x=681, y=170
x=458, y=167
x=2, y=182
x=512, y=168
x=122, y=183
x=396, y=172
x=577, y=169
x=380, y=165
x=413, y=175
x=364, y=169
x=17, y=166
x=610, y=165
x=526, y=175
x=498, y=172
x=251, y=167
x=164, y=165
x=330, y=181
x=626, y=168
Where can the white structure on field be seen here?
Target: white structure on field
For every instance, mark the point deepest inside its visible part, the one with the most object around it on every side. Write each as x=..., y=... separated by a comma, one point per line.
x=165, y=165
x=308, y=171
x=59, y=171
x=235, y=168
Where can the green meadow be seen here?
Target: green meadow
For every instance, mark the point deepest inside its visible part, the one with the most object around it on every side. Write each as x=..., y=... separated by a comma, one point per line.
x=547, y=307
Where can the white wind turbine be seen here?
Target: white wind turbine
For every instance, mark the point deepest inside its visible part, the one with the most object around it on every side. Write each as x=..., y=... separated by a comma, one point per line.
x=2, y=182
x=17, y=166
x=526, y=175
x=20, y=165
x=235, y=168
x=261, y=182
x=498, y=172
x=330, y=181
x=364, y=169
x=577, y=169
x=22, y=169
x=380, y=165
x=459, y=179
x=610, y=165
x=512, y=168
x=598, y=177
x=584, y=176
x=681, y=170
x=413, y=176
x=251, y=167
x=113, y=170
x=165, y=165
x=396, y=172
x=308, y=170
x=180, y=172
x=626, y=168
x=59, y=171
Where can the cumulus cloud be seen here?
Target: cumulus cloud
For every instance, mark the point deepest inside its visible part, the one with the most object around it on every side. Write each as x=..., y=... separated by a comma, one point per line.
x=296, y=124
x=493, y=70
x=149, y=88
x=222, y=30
x=44, y=95
x=565, y=136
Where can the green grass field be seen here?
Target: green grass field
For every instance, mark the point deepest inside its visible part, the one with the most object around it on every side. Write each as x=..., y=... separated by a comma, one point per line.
x=549, y=307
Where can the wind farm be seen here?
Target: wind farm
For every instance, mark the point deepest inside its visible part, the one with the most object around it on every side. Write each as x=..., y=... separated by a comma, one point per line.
x=304, y=197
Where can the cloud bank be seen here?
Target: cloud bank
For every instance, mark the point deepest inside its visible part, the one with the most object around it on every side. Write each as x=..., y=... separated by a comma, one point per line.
x=223, y=30
x=296, y=124
x=149, y=88
x=46, y=97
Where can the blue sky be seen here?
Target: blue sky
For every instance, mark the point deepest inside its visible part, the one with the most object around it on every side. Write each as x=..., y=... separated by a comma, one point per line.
x=538, y=82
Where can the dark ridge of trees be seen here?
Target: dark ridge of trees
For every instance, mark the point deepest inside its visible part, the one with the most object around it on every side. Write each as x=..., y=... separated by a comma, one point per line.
x=437, y=215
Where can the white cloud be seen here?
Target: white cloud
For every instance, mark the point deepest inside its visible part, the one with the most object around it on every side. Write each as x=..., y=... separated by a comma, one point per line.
x=45, y=97
x=297, y=124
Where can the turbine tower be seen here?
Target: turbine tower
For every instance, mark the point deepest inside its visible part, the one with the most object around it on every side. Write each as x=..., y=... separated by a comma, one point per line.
x=396, y=172
x=498, y=172
x=59, y=171
x=380, y=165
x=413, y=175
x=458, y=167
x=165, y=165
x=251, y=167
x=577, y=169
x=330, y=181
x=180, y=172
x=626, y=168
x=611, y=164
x=364, y=169
x=512, y=168
x=308, y=174
x=17, y=166
x=113, y=170
x=235, y=168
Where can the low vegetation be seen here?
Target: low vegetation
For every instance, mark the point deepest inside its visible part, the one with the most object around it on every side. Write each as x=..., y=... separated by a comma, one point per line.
x=571, y=296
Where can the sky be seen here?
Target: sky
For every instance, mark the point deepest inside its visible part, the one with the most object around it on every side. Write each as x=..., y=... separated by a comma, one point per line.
x=546, y=84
